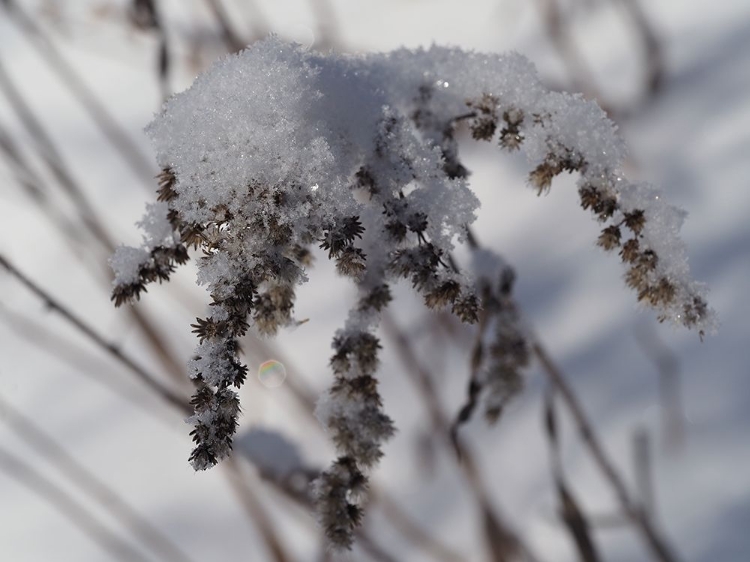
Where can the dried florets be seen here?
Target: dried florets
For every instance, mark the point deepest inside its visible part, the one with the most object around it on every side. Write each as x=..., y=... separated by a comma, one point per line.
x=511, y=136
x=484, y=122
x=502, y=349
x=610, y=237
x=300, y=149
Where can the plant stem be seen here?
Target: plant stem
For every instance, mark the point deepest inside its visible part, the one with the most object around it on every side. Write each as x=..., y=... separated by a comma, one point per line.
x=149, y=379
x=657, y=544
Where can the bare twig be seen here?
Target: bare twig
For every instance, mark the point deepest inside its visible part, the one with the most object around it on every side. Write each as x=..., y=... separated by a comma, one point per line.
x=410, y=530
x=232, y=41
x=653, y=52
x=82, y=360
x=502, y=542
x=643, y=472
x=32, y=185
x=580, y=76
x=467, y=410
x=86, y=212
x=114, y=133
x=145, y=14
x=149, y=379
x=571, y=513
x=79, y=516
x=54, y=161
x=652, y=537
x=255, y=511
x=149, y=535
x=670, y=398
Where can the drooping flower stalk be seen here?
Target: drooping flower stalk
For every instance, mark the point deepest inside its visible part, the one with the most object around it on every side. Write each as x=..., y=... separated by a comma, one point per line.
x=275, y=150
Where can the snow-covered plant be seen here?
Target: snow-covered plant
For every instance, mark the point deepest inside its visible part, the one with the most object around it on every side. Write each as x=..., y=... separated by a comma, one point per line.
x=275, y=149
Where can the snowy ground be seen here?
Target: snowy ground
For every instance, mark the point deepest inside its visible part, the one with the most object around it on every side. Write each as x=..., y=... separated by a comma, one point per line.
x=693, y=140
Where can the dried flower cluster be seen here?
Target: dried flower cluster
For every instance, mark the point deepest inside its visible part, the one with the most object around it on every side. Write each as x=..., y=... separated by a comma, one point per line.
x=502, y=350
x=157, y=258
x=275, y=150
x=654, y=257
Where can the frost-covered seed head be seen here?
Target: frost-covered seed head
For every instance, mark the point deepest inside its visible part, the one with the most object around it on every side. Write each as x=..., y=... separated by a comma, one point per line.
x=275, y=149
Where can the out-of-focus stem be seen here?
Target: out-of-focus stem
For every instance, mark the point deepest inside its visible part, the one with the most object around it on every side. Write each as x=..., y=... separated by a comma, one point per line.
x=580, y=76
x=83, y=361
x=657, y=544
x=232, y=41
x=53, y=304
x=255, y=511
x=652, y=47
x=85, y=210
x=149, y=535
x=501, y=541
x=79, y=516
x=139, y=164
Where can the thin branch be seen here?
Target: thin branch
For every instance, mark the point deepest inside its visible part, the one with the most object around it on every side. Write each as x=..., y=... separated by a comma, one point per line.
x=670, y=398
x=53, y=160
x=652, y=537
x=232, y=41
x=32, y=185
x=149, y=379
x=413, y=532
x=644, y=472
x=86, y=212
x=146, y=15
x=475, y=387
x=503, y=543
x=81, y=359
x=115, y=134
x=580, y=76
x=653, y=53
x=571, y=513
x=95, y=488
x=26, y=474
x=255, y=511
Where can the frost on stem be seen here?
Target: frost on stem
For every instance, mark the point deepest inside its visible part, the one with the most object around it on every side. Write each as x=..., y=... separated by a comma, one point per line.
x=274, y=150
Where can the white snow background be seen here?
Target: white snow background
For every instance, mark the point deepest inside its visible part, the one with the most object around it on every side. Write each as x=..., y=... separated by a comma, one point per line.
x=692, y=140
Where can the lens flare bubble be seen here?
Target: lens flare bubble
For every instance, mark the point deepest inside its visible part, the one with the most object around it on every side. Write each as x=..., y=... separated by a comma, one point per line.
x=271, y=373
